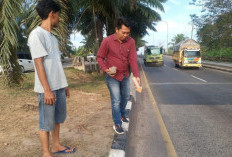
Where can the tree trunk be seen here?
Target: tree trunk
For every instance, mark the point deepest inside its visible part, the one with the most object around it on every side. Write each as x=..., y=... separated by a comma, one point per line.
x=100, y=31
x=95, y=28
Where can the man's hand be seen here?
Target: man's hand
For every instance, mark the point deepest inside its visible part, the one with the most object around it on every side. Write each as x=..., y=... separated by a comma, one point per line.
x=109, y=73
x=49, y=97
x=138, y=80
x=67, y=92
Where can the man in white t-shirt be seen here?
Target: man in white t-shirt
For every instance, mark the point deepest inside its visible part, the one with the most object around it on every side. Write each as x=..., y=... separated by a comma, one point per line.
x=50, y=80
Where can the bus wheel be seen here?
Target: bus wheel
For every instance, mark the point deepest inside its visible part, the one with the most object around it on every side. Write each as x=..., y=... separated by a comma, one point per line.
x=181, y=65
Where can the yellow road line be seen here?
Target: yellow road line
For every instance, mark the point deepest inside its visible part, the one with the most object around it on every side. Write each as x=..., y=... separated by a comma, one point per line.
x=167, y=140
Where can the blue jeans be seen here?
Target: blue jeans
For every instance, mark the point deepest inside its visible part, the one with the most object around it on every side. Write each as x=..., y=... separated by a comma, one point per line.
x=49, y=115
x=120, y=94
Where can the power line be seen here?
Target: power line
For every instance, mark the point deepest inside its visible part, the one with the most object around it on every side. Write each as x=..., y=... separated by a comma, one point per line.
x=185, y=29
x=188, y=30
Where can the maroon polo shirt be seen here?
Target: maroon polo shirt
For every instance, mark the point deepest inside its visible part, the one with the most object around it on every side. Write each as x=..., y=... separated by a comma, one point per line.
x=121, y=55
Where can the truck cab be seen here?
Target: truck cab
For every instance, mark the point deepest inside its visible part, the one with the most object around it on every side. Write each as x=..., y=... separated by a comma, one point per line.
x=191, y=58
x=187, y=54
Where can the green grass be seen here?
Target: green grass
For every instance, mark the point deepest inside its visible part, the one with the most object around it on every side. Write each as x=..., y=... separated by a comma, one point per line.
x=222, y=55
x=226, y=52
x=87, y=82
x=77, y=80
x=20, y=90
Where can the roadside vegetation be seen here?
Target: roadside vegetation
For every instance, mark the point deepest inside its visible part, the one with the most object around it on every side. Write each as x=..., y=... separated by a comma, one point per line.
x=78, y=80
x=214, y=29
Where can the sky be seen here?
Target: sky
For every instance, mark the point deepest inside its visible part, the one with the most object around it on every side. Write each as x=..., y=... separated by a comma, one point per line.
x=176, y=15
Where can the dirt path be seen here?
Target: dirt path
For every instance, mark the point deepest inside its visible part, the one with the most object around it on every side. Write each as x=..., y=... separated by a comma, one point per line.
x=88, y=126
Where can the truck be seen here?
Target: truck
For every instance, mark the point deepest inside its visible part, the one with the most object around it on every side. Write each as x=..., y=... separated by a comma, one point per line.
x=187, y=54
x=153, y=55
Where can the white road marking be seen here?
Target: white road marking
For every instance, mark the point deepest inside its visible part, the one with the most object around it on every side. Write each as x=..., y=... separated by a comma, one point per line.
x=128, y=106
x=117, y=153
x=125, y=126
x=175, y=69
x=198, y=78
x=191, y=83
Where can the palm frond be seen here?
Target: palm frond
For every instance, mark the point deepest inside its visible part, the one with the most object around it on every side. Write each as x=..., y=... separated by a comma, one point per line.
x=62, y=31
x=9, y=11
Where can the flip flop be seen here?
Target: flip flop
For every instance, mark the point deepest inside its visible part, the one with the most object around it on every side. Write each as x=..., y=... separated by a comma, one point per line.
x=64, y=151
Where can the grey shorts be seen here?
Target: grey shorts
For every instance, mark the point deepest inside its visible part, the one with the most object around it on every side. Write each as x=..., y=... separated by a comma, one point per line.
x=49, y=115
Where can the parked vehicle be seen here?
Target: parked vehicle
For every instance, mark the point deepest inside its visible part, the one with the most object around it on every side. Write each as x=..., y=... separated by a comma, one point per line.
x=187, y=54
x=25, y=61
x=153, y=55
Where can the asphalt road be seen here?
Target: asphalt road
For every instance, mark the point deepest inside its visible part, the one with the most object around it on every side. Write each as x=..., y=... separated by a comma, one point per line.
x=196, y=108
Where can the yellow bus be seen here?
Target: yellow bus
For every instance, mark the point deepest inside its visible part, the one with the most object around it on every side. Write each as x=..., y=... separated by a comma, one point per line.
x=153, y=55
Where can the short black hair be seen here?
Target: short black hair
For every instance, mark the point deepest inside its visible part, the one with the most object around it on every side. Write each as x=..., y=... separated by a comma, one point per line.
x=44, y=7
x=123, y=21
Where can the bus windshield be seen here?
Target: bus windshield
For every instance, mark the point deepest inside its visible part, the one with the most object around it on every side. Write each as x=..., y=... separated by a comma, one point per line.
x=154, y=51
x=192, y=53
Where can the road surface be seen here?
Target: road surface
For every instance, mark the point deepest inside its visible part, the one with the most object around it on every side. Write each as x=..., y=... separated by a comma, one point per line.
x=196, y=110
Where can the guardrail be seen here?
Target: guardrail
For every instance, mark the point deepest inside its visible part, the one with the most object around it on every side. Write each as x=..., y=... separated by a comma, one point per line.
x=217, y=58
x=81, y=63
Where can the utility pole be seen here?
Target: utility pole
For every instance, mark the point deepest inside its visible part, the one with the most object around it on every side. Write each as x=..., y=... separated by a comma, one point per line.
x=167, y=34
x=192, y=31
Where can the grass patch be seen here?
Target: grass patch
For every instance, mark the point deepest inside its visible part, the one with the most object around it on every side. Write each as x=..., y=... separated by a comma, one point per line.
x=222, y=55
x=20, y=90
x=226, y=52
x=87, y=82
x=77, y=80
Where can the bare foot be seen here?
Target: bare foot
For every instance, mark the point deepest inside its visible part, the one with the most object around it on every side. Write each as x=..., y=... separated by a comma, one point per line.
x=62, y=148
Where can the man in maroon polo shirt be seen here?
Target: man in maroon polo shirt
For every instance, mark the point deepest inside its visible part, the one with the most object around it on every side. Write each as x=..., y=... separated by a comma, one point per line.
x=118, y=50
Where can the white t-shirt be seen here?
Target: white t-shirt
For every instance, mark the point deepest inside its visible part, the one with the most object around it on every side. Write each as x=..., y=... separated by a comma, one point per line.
x=43, y=44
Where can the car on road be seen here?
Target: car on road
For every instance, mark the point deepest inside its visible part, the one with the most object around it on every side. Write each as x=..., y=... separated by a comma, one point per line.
x=25, y=62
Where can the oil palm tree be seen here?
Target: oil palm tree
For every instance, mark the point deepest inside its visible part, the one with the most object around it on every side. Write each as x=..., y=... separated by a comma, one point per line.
x=92, y=16
x=102, y=14
x=17, y=19
x=142, y=16
x=9, y=28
